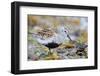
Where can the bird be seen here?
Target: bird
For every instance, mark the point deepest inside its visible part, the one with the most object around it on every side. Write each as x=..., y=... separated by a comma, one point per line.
x=52, y=39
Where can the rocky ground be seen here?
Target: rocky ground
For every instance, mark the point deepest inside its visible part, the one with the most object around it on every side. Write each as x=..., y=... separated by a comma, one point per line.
x=65, y=51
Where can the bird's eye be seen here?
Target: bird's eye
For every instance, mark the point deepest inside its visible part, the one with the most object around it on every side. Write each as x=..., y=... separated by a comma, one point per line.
x=64, y=31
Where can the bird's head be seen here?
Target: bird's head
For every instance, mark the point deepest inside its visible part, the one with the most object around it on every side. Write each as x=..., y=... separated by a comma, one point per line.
x=62, y=30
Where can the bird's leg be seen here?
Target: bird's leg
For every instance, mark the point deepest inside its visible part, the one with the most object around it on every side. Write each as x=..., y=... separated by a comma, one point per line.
x=50, y=52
